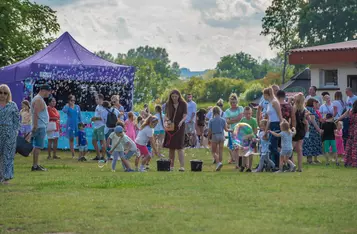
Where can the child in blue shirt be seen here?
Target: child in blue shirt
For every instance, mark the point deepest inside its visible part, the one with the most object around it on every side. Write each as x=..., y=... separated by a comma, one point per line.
x=264, y=148
x=82, y=143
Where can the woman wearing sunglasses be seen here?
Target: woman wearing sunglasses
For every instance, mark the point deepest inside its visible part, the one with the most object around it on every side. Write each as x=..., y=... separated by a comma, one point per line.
x=73, y=112
x=9, y=127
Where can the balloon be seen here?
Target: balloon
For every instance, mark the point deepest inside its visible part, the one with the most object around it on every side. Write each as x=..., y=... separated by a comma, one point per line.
x=242, y=134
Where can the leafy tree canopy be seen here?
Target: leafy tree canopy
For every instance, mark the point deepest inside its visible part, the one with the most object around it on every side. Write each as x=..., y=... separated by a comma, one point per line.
x=25, y=28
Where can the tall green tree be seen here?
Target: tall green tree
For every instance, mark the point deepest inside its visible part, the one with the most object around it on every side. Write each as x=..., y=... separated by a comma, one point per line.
x=107, y=56
x=280, y=23
x=240, y=66
x=153, y=71
x=25, y=28
x=328, y=21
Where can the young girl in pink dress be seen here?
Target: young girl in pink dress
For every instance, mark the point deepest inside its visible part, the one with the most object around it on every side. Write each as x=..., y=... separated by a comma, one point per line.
x=339, y=141
x=130, y=126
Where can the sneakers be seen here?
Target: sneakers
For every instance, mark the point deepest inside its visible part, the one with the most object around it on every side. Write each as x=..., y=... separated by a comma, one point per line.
x=38, y=168
x=182, y=169
x=142, y=169
x=219, y=166
x=82, y=159
x=248, y=170
x=293, y=169
x=96, y=158
x=171, y=169
x=241, y=169
x=129, y=170
x=113, y=170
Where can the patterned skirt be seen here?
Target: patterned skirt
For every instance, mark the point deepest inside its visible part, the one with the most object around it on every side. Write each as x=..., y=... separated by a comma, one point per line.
x=312, y=146
x=7, y=152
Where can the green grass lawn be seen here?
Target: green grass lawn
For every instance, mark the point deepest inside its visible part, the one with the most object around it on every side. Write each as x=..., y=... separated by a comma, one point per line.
x=75, y=197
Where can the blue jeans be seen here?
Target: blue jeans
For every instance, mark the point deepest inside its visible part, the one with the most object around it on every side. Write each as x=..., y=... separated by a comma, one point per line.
x=275, y=155
x=264, y=158
x=116, y=156
x=106, y=138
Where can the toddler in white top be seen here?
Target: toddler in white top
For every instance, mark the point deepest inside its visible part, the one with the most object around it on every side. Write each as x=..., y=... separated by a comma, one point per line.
x=119, y=142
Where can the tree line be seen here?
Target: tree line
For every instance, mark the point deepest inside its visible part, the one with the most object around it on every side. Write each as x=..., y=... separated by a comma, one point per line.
x=26, y=27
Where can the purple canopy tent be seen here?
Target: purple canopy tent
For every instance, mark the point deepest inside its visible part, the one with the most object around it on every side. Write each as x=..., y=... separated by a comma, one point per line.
x=66, y=59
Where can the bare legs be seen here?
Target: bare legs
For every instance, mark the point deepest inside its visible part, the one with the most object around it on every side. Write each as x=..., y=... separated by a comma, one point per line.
x=298, y=149
x=159, y=139
x=181, y=155
x=71, y=146
x=49, y=148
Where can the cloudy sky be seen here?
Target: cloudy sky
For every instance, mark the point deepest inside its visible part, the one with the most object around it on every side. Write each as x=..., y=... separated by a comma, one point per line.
x=196, y=33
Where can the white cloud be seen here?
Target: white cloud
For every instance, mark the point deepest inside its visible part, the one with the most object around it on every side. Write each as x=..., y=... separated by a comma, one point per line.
x=196, y=33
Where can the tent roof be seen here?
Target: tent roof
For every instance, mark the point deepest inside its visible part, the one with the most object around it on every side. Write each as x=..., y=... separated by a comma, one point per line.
x=66, y=59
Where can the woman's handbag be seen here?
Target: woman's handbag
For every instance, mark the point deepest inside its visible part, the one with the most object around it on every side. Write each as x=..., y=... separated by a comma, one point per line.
x=51, y=127
x=170, y=127
x=23, y=147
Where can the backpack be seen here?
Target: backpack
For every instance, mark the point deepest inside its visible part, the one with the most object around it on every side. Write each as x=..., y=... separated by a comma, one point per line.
x=112, y=119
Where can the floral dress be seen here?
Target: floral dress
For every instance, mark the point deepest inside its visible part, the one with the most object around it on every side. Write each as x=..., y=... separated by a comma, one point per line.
x=9, y=127
x=351, y=143
x=312, y=146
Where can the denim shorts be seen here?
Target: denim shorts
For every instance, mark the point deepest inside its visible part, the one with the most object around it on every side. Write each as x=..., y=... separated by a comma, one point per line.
x=159, y=132
x=218, y=138
x=128, y=155
x=38, y=138
x=83, y=148
x=286, y=153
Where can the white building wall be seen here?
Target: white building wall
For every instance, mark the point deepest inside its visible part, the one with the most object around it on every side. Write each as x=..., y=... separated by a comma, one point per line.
x=343, y=70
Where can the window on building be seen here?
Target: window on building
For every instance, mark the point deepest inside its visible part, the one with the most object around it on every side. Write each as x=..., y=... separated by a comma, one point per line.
x=328, y=78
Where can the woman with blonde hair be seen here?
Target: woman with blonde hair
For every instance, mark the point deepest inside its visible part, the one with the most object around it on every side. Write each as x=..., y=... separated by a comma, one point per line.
x=300, y=123
x=9, y=127
x=274, y=116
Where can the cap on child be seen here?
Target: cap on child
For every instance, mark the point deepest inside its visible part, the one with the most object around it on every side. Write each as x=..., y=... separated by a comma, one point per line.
x=118, y=129
x=329, y=116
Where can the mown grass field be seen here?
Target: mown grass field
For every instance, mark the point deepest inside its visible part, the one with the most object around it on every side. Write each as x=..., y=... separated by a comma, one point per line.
x=75, y=197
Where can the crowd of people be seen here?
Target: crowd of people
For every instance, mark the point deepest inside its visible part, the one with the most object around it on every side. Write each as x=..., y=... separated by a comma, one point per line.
x=312, y=126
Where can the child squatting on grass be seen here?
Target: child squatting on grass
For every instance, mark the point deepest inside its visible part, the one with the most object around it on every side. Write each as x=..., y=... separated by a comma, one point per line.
x=216, y=127
x=264, y=148
x=119, y=141
x=328, y=131
x=286, y=151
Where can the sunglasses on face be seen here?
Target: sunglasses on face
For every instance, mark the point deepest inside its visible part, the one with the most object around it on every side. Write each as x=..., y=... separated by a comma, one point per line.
x=3, y=93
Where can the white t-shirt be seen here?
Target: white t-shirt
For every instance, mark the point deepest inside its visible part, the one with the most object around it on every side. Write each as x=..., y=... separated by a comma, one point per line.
x=264, y=105
x=144, y=135
x=132, y=145
x=325, y=109
x=191, y=109
x=317, y=98
x=101, y=112
x=120, y=148
x=116, y=112
x=159, y=126
x=340, y=107
x=350, y=101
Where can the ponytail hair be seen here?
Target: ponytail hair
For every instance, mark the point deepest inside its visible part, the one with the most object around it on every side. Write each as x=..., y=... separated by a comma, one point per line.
x=148, y=121
x=269, y=91
x=159, y=110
